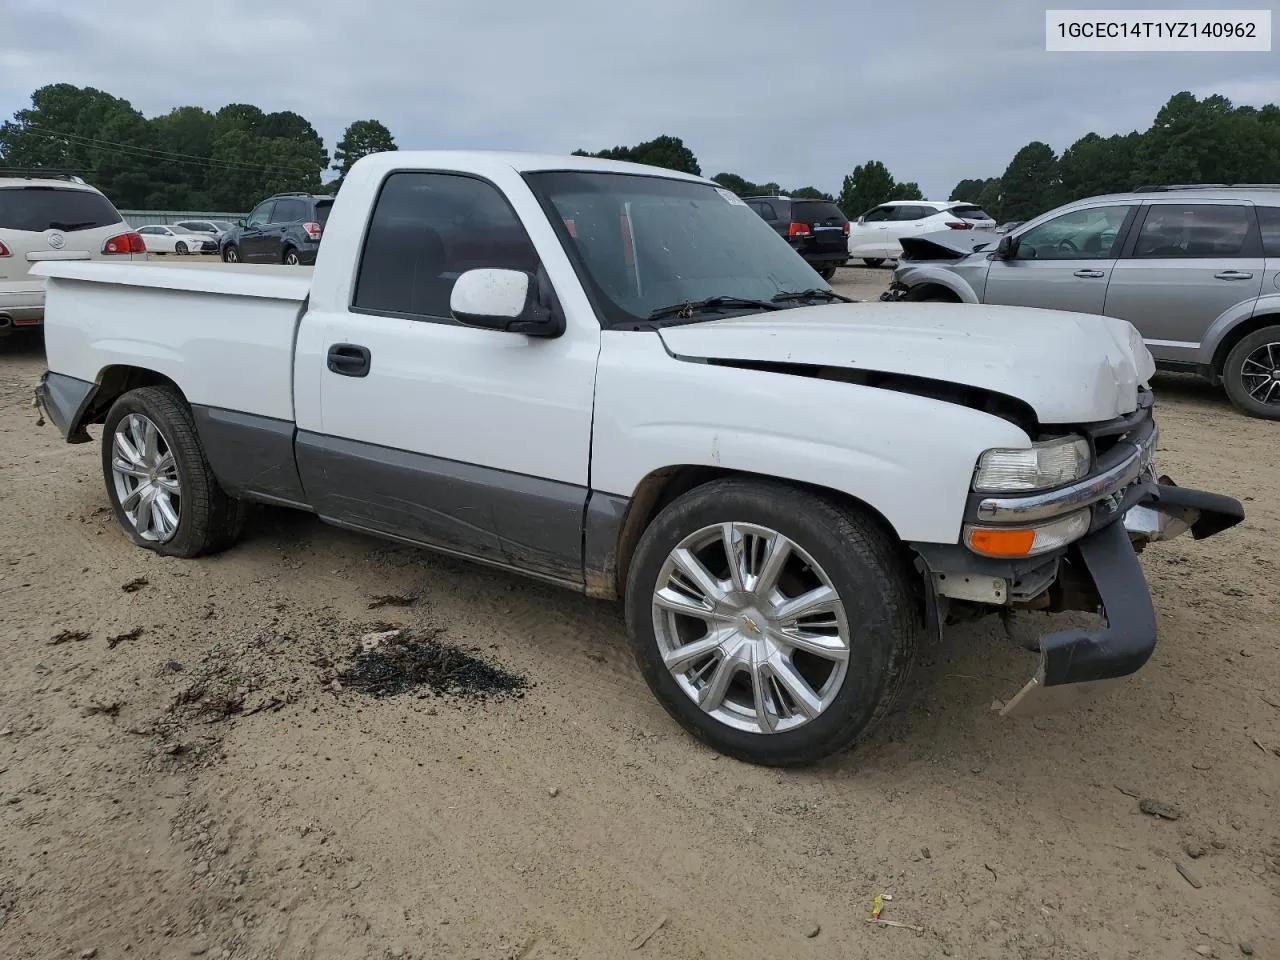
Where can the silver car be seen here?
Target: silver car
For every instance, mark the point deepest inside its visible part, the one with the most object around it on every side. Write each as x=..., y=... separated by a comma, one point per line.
x=1195, y=268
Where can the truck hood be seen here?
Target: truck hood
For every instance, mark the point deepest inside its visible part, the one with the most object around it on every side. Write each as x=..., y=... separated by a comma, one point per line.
x=1068, y=367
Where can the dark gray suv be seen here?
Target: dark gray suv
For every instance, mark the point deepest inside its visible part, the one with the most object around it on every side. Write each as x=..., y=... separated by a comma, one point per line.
x=285, y=228
x=1195, y=268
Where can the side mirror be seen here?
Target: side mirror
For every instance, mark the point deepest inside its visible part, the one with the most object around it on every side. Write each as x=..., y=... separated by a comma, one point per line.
x=240, y=223
x=1007, y=248
x=862, y=219
x=508, y=300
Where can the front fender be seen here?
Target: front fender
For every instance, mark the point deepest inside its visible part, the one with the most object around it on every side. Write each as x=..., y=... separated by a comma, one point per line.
x=1213, y=345
x=912, y=276
x=909, y=457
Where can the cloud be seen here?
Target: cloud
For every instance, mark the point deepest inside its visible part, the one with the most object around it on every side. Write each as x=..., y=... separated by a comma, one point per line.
x=937, y=90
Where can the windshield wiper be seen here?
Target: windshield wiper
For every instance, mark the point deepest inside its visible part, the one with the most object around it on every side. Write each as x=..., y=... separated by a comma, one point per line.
x=813, y=293
x=685, y=310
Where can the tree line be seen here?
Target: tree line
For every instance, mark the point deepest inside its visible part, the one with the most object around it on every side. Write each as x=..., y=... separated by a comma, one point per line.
x=194, y=159
x=1189, y=141
x=187, y=159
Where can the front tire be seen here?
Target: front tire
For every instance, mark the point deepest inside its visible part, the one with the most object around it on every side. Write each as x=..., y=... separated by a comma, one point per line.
x=791, y=651
x=928, y=294
x=873, y=261
x=162, y=490
x=180, y=249
x=231, y=254
x=1251, y=374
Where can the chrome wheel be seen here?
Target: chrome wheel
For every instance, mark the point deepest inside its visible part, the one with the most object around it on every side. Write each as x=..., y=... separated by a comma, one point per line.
x=1260, y=373
x=145, y=475
x=291, y=258
x=231, y=255
x=751, y=628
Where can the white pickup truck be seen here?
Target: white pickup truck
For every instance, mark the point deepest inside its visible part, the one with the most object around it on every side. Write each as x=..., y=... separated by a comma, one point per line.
x=619, y=379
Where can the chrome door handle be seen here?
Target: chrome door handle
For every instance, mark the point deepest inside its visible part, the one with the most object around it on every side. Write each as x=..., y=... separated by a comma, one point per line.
x=1090, y=274
x=1233, y=275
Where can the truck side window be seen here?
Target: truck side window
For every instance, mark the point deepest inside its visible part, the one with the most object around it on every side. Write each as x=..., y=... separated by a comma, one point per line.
x=426, y=230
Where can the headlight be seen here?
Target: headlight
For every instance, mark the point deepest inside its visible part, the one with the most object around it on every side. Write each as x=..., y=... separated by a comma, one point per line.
x=1046, y=464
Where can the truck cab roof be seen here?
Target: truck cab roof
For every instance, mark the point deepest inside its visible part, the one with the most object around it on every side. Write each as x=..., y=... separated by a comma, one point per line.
x=521, y=162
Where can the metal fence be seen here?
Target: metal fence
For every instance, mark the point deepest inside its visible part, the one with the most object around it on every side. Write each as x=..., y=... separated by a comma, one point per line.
x=142, y=218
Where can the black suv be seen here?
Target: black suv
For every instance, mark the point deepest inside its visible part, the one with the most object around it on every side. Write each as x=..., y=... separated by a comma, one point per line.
x=817, y=229
x=285, y=228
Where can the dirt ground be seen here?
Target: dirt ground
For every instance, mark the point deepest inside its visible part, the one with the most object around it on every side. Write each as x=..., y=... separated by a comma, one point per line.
x=179, y=775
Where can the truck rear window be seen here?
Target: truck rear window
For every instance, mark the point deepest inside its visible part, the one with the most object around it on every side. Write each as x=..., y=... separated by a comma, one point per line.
x=37, y=209
x=816, y=211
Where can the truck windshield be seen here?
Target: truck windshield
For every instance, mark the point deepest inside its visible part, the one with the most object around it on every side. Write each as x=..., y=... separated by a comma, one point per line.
x=643, y=243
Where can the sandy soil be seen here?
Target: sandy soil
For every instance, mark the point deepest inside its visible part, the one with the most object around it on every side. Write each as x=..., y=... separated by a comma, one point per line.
x=140, y=818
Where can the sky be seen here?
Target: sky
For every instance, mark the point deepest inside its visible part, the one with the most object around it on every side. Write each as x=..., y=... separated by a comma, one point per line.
x=939, y=90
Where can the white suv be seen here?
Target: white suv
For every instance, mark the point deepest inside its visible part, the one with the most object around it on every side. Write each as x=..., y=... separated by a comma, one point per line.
x=52, y=219
x=875, y=236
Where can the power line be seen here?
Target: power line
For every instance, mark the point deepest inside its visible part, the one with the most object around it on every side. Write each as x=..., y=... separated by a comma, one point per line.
x=151, y=153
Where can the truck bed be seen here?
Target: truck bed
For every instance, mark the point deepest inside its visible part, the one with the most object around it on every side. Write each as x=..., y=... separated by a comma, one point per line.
x=212, y=330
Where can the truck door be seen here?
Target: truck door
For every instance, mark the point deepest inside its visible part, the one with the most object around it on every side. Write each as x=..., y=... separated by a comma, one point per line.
x=470, y=440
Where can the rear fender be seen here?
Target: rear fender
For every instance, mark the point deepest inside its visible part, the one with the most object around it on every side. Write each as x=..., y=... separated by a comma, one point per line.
x=72, y=404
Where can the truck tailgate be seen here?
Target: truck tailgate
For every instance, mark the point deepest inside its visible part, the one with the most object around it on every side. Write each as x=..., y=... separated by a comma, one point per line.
x=224, y=335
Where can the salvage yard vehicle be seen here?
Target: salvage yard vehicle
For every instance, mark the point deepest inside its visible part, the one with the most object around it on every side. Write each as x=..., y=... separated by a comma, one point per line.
x=162, y=239
x=877, y=234
x=284, y=228
x=47, y=216
x=1195, y=268
x=818, y=230
x=619, y=379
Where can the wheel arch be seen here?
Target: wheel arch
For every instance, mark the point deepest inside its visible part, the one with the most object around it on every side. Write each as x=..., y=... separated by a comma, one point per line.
x=606, y=575
x=932, y=290
x=1230, y=330
x=923, y=280
x=112, y=383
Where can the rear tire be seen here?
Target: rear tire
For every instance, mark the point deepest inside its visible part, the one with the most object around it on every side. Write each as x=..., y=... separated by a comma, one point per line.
x=164, y=474
x=231, y=254
x=1251, y=374
x=873, y=261
x=826, y=273
x=872, y=614
x=291, y=258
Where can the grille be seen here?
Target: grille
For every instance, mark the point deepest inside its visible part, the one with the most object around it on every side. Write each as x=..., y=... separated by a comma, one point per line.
x=1131, y=428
